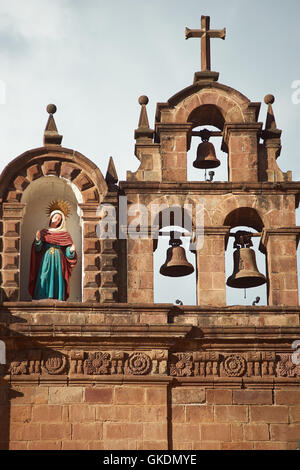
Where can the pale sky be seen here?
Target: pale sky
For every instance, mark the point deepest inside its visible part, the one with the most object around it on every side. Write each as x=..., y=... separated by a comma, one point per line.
x=94, y=58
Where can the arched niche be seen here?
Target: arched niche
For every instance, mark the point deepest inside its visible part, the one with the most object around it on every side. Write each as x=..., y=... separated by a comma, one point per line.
x=169, y=289
x=246, y=219
x=36, y=198
x=246, y=216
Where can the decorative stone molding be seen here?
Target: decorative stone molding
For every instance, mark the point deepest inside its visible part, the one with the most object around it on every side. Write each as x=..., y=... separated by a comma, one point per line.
x=258, y=364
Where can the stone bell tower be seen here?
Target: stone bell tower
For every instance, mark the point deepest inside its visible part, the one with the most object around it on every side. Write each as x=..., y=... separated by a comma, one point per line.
x=109, y=368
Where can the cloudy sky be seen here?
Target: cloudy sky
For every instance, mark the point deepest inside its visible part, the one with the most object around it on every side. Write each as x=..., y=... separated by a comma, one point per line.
x=94, y=58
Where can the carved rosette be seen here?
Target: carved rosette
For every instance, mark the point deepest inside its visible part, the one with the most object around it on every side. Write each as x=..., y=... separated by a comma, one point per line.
x=182, y=365
x=138, y=364
x=54, y=363
x=286, y=368
x=235, y=365
x=98, y=363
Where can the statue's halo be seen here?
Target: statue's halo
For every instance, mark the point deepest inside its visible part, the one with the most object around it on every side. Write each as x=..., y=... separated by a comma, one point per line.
x=60, y=205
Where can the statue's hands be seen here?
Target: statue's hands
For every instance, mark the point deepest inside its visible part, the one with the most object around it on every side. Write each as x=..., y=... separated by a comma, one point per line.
x=72, y=248
x=38, y=236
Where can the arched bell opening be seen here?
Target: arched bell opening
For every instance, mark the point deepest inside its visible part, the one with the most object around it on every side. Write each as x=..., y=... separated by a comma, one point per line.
x=245, y=264
x=36, y=197
x=207, y=158
x=174, y=264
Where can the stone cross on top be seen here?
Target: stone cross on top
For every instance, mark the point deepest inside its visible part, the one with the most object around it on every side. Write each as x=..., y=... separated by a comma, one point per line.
x=205, y=34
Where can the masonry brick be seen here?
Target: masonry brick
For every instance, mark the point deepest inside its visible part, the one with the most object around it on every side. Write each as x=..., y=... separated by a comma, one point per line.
x=119, y=413
x=186, y=432
x=113, y=431
x=20, y=413
x=82, y=413
x=46, y=413
x=99, y=395
x=256, y=432
x=269, y=414
x=148, y=413
x=237, y=432
x=157, y=430
x=236, y=445
x=285, y=432
x=219, y=397
x=270, y=445
x=295, y=414
x=51, y=431
x=259, y=397
x=229, y=413
x=78, y=445
x=213, y=432
x=287, y=397
x=60, y=395
x=25, y=432
x=156, y=395
x=129, y=395
x=199, y=414
x=206, y=445
x=87, y=431
x=44, y=445
x=178, y=413
x=188, y=395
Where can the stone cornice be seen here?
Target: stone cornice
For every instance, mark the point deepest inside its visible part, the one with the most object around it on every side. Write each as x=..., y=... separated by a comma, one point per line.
x=216, y=187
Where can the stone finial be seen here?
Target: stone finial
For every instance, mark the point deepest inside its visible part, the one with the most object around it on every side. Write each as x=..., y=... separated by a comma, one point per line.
x=270, y=131
x=270, y=121
x=51, y=135
x=143, y=132
x=111, y=177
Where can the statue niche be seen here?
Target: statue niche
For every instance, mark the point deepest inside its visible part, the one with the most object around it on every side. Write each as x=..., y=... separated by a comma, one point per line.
x=53, y=256
x=50, y=263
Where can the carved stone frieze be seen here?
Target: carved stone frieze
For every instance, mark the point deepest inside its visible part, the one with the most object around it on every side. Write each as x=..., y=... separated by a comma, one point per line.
x=154, y=362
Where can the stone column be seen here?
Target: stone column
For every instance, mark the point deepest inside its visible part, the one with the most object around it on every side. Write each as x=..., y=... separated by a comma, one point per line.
x=140, y=270
x=242, y=142
x=90, y=253
x=211, y=288
x=280, y=246
x=173, y=149
x=12, y=216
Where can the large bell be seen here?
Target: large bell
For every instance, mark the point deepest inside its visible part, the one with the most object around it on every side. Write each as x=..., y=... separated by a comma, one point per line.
x=245, y=273
x=176, y=264
x=206, y=156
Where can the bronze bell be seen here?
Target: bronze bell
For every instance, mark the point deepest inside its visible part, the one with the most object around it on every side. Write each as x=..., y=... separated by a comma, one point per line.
x=245, y=273
x=176, y=264
x=206, y=156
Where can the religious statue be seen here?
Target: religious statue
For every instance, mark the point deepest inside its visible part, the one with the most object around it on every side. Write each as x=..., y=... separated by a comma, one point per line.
x=53, y=256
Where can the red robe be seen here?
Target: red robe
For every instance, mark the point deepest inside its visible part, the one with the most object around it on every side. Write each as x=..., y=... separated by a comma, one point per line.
x=63, y=239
